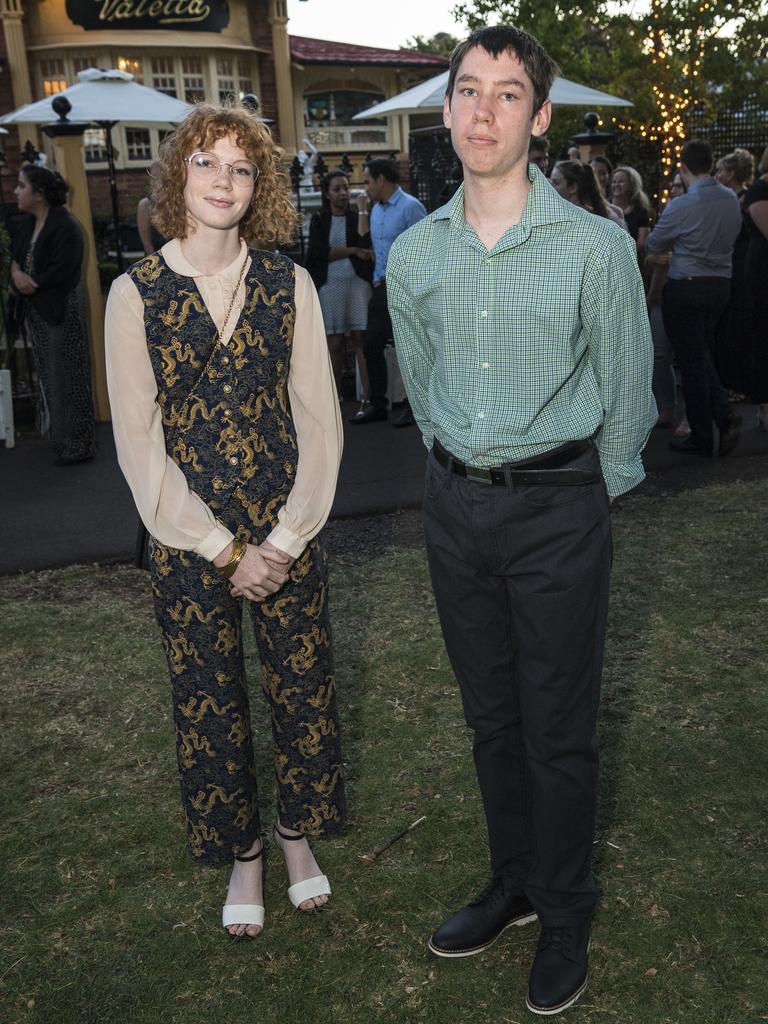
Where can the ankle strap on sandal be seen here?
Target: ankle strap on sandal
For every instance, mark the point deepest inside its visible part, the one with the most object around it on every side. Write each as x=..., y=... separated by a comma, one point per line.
x=283, y=835
x=251, y=856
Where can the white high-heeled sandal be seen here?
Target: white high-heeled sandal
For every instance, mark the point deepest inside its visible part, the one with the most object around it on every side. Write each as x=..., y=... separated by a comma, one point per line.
x=318, y=885
x=244, y=913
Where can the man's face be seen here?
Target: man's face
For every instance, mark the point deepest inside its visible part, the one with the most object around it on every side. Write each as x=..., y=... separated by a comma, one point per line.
x=490, y=114
x=374, y=187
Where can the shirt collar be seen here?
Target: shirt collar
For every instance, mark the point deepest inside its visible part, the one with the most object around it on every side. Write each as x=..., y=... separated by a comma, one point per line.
x=179, y=264
x=703, y=183
x=543, y=205
x=394, y=199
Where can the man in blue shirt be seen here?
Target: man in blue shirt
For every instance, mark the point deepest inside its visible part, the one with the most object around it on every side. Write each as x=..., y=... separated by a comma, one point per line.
x=700, y=228
x=393, y=211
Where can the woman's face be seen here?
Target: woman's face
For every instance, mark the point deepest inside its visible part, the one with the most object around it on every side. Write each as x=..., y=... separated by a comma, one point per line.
x=27, y=200
x=619, y=185
x=561, y=185
x=727, y=178
x=219, y=202
x=602, y=175
x=677, y=188
x=338, y=194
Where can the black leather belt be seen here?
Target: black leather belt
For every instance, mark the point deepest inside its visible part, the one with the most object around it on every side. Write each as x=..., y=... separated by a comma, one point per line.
x=546, y=469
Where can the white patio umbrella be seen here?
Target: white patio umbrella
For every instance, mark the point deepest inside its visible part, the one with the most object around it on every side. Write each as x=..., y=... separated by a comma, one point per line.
x=104, y=98
x=427, y=97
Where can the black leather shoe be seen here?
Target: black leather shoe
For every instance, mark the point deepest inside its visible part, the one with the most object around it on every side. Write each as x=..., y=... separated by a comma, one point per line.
x=368, y=414
x=559, y=972
x=729, y=436
x=499, y=906
x=689, y=446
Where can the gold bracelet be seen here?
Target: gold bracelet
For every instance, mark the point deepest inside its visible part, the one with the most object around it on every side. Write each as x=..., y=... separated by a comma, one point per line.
x=238, y=551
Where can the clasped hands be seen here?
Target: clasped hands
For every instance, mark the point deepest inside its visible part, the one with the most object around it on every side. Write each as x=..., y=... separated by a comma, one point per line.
x=22, y=282
x=262, y=570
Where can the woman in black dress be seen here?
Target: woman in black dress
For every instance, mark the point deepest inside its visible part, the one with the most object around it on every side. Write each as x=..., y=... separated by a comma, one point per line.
x=47, y=261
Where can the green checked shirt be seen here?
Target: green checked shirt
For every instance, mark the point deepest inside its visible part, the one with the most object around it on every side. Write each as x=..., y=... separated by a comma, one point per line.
x=542, y=340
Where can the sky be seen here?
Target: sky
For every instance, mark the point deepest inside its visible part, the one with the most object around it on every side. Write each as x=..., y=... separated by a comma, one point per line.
x=353, y=21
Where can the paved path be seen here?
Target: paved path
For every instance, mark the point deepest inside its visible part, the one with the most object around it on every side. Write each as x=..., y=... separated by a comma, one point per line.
x=52, y=516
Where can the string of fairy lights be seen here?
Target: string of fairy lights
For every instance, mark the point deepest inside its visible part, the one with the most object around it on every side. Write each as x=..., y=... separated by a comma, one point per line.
x=668, y=129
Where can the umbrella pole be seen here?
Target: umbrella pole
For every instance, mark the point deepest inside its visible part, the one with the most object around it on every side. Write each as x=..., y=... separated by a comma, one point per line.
x=108, y=126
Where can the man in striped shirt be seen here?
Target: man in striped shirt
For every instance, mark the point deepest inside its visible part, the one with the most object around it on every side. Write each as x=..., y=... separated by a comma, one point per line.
x=524, y=344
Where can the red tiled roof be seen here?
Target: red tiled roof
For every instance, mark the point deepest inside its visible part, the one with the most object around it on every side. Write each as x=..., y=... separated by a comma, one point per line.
x=323, y=51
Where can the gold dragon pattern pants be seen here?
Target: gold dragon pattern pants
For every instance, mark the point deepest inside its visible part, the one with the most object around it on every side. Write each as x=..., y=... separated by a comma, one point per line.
x=202, y=632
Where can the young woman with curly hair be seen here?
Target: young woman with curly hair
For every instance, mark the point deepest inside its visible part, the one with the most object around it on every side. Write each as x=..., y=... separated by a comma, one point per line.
x=228, y=433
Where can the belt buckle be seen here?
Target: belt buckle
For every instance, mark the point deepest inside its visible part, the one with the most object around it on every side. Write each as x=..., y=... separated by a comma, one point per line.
x=478, y=475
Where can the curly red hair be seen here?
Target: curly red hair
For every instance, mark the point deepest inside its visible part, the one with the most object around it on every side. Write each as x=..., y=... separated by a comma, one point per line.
x=271, y=217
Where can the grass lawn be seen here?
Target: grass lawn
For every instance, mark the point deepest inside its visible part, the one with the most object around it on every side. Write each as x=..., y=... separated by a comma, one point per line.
x=105, y=919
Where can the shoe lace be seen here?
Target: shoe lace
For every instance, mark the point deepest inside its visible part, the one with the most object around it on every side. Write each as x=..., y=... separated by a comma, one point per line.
x=491, y=894
x=556, y=938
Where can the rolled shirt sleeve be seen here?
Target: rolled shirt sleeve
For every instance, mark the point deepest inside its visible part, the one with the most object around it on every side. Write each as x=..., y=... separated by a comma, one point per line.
x=171, y=512
x=317, y=420
x=620, y=351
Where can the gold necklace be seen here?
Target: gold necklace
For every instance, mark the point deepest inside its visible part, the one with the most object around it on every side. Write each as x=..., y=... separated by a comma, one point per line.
x=234, y=296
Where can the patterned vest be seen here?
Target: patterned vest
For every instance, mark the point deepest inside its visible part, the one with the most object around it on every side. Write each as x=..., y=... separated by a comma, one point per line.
x=225, y=409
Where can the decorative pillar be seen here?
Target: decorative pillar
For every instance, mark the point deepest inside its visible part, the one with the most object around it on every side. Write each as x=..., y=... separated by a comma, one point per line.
x=592, y=143
x=12, y=13
x=281, y=50
x=69, y=158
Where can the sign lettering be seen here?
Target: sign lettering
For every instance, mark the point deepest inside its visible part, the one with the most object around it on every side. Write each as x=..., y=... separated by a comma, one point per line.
x=196, y=15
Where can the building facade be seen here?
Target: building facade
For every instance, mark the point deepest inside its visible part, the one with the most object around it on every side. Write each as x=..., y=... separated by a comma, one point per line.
x=200, y=50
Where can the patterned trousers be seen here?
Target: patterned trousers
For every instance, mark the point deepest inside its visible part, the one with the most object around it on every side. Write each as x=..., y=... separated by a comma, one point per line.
x=202, y=632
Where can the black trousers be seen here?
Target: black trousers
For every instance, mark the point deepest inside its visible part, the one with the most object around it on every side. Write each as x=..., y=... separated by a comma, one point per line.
x=520, y=575
x=378, y=333
x=692, y=309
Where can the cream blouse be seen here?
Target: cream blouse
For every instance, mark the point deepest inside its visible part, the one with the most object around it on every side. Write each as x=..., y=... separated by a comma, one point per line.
x=171, y=512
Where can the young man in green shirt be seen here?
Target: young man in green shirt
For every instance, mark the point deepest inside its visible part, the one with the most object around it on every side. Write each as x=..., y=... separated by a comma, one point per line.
x=524, y=344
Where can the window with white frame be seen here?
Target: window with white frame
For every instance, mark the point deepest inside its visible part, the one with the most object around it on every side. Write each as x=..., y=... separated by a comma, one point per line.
x=226, y=78
x=95, y=144
x=192, y=79
x=81, y=61
x=133, y=66
x=138, y=143
x=164, y=75
x=244, y=77
x=53, y=75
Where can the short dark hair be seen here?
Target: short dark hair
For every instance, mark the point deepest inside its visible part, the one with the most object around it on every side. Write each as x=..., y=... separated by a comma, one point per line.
x=325, y=185
x=697, y=156
x=48, y=183
x=602, y=159
x=539, y=144
x=388, y=168
x=498, y=39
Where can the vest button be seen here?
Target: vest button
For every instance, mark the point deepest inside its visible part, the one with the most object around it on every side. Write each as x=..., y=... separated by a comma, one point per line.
x=225, y=360
x=227, y=412
x=227, y=388
x=233, y=460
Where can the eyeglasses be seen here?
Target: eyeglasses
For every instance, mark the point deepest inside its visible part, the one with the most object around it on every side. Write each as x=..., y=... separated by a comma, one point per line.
x=206, y=167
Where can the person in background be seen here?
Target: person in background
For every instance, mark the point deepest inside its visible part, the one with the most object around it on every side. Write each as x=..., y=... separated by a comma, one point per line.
x=538, y=153
x=733, y=348
x=603, y=169
x=755, y=204
x=47, y=254
x=385, y=211
x=340, y=262
x=228, y=432
x=700, y=229
x=576, y=182
x=664, y=379
x=627, y=193
x=150, y=237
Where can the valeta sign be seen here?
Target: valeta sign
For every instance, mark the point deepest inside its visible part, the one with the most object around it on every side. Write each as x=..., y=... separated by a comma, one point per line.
x=200, y=15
